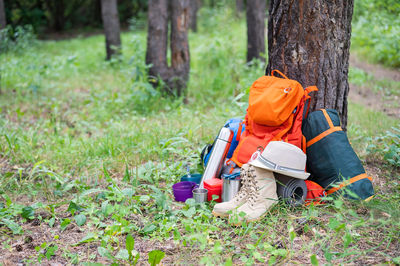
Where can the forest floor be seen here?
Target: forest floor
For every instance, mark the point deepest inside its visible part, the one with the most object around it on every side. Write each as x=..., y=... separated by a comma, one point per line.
x=375, y=99
x=89, y=152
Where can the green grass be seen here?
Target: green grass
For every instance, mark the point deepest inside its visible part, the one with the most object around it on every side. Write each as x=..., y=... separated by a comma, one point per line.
x=89, y=151
x=388, y=88
x=375, y=31
x=365, y=123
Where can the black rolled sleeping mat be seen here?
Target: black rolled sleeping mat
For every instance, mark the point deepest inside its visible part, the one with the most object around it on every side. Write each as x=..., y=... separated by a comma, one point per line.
x=291, y=190
x=331, y=160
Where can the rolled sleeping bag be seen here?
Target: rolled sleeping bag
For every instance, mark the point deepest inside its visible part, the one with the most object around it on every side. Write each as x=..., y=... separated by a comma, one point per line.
x=331, y=160
x=292, y=190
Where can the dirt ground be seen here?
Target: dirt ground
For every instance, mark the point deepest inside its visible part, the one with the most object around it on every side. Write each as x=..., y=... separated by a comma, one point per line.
x=365, y=96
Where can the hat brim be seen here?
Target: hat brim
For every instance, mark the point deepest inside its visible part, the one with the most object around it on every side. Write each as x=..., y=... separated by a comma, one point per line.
x=303, y=175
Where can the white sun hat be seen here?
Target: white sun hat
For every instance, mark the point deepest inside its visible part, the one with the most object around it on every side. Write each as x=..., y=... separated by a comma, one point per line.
x=284, y=158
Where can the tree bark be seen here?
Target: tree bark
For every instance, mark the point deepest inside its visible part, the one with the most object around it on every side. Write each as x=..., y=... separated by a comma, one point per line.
x=255, y=15
x=3, y=22
x=309, y=41
x=157, y=40
x=193, y=15
x=239, y=6
x=109, y=12
x=57, y=15
x=180, y=58
x=176, y=76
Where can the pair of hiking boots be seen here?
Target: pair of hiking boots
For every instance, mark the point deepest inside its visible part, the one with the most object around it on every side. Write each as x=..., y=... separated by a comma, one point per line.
x=256, y=196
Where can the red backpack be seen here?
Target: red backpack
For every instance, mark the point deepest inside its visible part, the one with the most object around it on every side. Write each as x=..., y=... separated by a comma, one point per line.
x=275, y=112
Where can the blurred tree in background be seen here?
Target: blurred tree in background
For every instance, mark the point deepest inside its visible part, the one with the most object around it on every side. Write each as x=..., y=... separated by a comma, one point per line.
x=2, y=15
x=161, y=12
x=239, y=6
x=194, y=7
x=63, y=15
x=109, y=11
x=255, y=16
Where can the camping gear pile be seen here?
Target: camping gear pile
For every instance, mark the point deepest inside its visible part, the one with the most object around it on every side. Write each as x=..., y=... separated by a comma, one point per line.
x=253, y=163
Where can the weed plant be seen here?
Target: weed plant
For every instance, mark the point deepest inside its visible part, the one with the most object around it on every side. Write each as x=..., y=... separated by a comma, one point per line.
x=89, y=152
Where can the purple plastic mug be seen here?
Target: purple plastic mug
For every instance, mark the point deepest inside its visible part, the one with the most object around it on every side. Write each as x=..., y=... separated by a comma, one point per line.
x=183, y=190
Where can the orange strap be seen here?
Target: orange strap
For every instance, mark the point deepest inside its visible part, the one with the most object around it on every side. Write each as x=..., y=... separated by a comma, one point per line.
x=328, y=119
x=239, y=132
x=331, y=129
x=280, y=73
x=310, y=89
x=303, y=143
x=323, y=135
x=308, y=97
x=369, y=198
x=279, y=136
x=348, y=182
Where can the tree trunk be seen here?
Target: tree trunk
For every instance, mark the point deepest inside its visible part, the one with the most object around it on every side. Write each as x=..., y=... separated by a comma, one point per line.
x=3, y=22
x=193, y=15
x=255, y=14
x=157, y=40
x=176, y=76
x=180, y=59
x=110, y=17
x=57, y=16
x=239, y=6
x=309, y=41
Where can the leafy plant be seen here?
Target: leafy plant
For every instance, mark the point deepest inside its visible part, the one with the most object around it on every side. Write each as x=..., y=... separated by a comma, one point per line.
x=18, y=39
x=155, y=257
x=387, y=146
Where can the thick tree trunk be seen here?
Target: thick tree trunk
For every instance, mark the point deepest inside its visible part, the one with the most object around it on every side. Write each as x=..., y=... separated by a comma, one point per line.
x=309, y=41
x=109, y=12
x=255, y=14
x=176, y=76
x=193, y=15
x=180, y=59
x=3, y=22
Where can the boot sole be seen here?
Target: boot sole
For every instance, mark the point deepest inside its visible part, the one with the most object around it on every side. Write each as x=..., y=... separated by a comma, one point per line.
x=219, y=214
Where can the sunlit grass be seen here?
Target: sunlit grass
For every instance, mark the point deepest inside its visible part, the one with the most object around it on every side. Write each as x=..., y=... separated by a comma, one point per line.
x=74, y=128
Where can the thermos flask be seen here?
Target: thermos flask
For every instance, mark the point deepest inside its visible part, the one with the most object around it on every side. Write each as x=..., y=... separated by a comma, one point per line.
x=218, y=154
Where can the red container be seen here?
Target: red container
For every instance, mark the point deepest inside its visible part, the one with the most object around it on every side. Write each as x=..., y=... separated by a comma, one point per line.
x=214, y=187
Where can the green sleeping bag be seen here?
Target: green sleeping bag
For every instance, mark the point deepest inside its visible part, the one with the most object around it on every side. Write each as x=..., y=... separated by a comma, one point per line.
x=331, y=160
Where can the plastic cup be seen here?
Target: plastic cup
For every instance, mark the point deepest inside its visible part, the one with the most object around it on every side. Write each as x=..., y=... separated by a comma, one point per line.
x=183, y=190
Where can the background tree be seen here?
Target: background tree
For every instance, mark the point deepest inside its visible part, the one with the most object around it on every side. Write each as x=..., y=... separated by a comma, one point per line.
x=309, y=41
x=57, y=14
x=177, y=75
x=2, y=15
x=194, y=6
x=255, y=15
x=109, y=12
x=239, y=6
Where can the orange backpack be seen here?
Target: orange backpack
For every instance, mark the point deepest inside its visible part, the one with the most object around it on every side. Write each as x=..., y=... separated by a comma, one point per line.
x=275, y=112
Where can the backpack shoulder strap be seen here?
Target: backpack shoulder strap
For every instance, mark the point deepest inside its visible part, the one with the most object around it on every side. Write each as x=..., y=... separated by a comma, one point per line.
x=280, y=73
x=307, y=98
x=310, y=89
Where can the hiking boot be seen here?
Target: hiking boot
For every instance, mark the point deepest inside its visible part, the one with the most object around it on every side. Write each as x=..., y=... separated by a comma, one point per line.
x=261, y=196
x=222, y=209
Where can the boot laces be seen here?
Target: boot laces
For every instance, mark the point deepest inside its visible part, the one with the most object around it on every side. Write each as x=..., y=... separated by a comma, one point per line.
x=253, y=193
x=244, y=190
